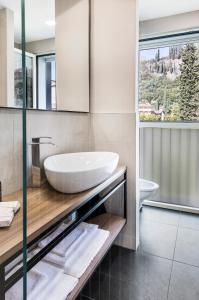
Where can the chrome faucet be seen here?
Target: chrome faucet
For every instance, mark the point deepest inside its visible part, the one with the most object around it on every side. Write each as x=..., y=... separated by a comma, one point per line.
x=37, y=173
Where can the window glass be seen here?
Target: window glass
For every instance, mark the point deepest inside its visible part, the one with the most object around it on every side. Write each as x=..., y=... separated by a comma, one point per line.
x=169, y=83
x=30, y=80
x=46, y=74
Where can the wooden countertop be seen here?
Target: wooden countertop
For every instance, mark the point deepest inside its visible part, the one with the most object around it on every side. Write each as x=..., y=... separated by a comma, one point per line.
x=45, y=207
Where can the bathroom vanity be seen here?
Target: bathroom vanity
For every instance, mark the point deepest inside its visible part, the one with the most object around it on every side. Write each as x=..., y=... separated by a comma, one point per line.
x=47, y=209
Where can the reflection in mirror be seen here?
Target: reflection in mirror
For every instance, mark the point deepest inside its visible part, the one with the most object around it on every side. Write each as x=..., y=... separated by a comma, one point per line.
x=40, y=54
x=57, y=54
x=46, y=88
x=10, y=53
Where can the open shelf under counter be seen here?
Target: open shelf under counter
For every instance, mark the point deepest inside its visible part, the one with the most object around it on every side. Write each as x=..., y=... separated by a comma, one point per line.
x=45, y=209
x=114, y=225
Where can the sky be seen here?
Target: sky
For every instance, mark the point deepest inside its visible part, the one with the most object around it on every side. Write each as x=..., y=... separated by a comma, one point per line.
x=150, y=53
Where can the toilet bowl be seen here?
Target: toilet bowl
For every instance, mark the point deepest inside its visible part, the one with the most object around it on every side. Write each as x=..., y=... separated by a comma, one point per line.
x=147, y=190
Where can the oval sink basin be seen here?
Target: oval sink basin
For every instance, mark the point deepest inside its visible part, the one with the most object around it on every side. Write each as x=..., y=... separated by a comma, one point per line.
x=77, y=172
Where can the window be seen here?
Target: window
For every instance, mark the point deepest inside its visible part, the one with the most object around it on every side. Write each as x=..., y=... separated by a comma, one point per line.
x=169, y=81
x=30, y=79
x=46, y=79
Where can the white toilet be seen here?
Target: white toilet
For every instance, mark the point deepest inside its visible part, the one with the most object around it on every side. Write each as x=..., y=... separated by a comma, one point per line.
x=147, y=190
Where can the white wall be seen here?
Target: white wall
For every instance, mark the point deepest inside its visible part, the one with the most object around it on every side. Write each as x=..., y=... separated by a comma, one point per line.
x=176, y=23
x=114, y=37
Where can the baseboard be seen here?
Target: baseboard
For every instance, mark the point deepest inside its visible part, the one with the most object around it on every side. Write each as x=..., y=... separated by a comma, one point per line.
x=188, y=209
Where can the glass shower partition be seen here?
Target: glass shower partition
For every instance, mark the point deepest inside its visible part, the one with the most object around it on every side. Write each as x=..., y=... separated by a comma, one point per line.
x=13, y=152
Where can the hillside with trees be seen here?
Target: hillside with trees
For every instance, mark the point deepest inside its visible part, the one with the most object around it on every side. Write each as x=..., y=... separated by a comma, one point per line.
x=169, y=84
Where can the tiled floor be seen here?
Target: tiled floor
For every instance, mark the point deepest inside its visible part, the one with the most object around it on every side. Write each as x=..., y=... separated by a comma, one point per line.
x=166, y=266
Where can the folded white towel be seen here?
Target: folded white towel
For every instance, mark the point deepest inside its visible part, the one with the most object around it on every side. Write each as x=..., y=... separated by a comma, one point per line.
x=69, y=244
x=60, y=260
x=6, y=211
x=15, y=205
x=77, y=263
x=51, y=275
x=62, y=247
x=44, y=281
x=59, y=289
x=36, y=281
x=88, y=226
x=6, y=216
x=52, y=236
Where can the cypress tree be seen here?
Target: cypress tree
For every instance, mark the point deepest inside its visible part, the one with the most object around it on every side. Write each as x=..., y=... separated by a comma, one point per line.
x=157, y=56
x=189, y=84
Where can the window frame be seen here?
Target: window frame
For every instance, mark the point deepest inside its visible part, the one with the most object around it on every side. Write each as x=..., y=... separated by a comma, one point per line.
x=38, y=56
x=34, y=58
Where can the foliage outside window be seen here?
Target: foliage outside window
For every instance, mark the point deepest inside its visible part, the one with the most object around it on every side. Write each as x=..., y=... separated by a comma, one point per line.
x=169, y=83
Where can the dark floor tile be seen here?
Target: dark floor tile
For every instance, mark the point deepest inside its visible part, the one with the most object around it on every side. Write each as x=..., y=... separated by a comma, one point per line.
x=187, y=246
x=92, y=288
x=114, y=289
x=81, y=297
x=145, y=274
x=84, y=298
x=188, y=220
x=184, y=282
x=106, y=263
x=158, y=239
x=160, y=215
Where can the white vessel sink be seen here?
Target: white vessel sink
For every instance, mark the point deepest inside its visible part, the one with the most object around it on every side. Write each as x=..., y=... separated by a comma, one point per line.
x=77, y=172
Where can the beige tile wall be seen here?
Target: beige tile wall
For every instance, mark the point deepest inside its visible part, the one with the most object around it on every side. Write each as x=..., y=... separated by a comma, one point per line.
x=113, y=55
x=72, y=55
x=117, y=133
x=114, y=69
x=69, y=131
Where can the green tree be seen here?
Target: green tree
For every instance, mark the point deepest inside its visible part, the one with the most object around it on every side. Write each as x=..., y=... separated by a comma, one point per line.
x=157, y=56
x=189, y=83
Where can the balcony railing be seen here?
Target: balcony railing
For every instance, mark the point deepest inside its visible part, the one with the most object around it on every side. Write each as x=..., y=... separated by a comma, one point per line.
x=169, y=155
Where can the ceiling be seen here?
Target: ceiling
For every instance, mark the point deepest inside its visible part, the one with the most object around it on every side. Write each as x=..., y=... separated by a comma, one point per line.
x=152, y=9
x=38, y=12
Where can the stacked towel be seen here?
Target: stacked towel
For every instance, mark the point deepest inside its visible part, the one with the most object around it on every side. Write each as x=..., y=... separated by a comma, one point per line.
x=53, y=235
x=6, y=216
x=61, y=248
x=15, y=205
x=76, y=257
x=44, y=282
x=69, y=244
x=70, y=241
x=59, y=285
x=74, y=254
x=69, y=250
x=36, y=281
x=7, y=211
x=77, y=263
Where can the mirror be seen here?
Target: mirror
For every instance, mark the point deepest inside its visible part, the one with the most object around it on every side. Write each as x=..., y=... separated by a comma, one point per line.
x=57, y=55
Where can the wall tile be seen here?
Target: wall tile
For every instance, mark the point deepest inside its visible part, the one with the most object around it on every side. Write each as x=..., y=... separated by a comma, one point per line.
x=116, y=132
x=70, y=133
